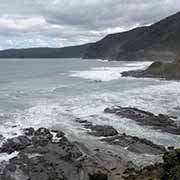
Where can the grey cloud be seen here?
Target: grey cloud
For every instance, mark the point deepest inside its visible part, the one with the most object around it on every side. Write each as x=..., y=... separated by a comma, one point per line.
x=109, y=13
x=75, y=21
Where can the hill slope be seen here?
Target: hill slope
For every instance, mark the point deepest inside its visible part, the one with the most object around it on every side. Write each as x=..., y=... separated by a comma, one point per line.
x=66, y=52
x=160, y=41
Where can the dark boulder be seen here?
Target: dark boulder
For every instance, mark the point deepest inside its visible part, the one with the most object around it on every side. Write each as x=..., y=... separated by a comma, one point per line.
x=42, y=137
x=29, y=131
x=110, y=110
x=44, y=133
x=105, y=131
x=98, y=176
x=15, y=144
x=81, y=121
x=98, y=130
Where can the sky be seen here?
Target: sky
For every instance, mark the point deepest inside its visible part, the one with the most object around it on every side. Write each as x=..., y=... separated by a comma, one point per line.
x=57, y=23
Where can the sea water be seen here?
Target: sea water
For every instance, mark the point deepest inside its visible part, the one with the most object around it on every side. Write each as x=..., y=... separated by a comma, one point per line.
x=54, y=92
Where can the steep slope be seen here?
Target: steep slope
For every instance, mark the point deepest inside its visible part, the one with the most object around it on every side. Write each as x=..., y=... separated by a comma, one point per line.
x=66, y=52
x=160, y=41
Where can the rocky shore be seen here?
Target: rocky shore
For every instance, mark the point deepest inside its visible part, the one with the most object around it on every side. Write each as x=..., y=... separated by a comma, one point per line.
x=168, y=71
x=131, y=143
x=49, y=155
x=160, y=122
x=168, y=170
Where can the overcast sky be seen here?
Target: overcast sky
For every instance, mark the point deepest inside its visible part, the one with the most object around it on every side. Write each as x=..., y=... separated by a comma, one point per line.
x=56, y=23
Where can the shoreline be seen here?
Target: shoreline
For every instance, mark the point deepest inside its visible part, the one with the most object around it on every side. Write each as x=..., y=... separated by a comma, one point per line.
x=43, y=152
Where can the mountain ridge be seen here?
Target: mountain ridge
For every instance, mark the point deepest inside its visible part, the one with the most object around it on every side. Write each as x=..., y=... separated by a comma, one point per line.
x=159, y=41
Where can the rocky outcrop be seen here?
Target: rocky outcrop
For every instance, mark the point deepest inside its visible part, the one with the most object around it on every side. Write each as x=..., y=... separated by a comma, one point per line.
x=15, y=144
x=98, y=130
x=135, y=144
x=144, y=118
x=131, y=143
x=169, y=71
x=104, y=131
x=49, y=155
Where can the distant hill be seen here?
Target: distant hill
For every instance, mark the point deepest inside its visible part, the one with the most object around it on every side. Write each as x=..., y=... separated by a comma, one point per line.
x=160, y=41
x=65, y=52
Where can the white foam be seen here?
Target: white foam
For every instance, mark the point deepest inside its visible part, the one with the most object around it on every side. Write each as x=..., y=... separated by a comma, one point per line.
x=108, y=73
x=99, y=75
x=53, y=89
x=40, y=115
x=55, y=139
x=44, y=114
x=6, y=157
x=160, y=97
x=155, y=98
x=32, y=155
x=103, y=60
x=146, y=63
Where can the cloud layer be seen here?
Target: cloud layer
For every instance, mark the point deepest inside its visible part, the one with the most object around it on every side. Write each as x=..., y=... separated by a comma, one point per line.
x=55, y=23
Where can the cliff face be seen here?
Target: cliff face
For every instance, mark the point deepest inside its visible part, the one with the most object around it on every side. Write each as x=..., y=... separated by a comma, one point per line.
x=66, y=52
x=160, y=41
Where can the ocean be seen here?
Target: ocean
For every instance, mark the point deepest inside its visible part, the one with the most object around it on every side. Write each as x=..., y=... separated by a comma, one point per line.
x=54, y=92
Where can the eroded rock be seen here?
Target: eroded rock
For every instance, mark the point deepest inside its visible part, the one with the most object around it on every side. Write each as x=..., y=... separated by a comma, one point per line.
x=145, y=118
x=29, y=131
x=41, y=158
x=15, y=144
x=135, y=144
x=105, y=131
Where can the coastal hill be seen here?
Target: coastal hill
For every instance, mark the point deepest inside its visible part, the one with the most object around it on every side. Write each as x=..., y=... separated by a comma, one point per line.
x=160, y=41
x=169, y=71
x=65, y=52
